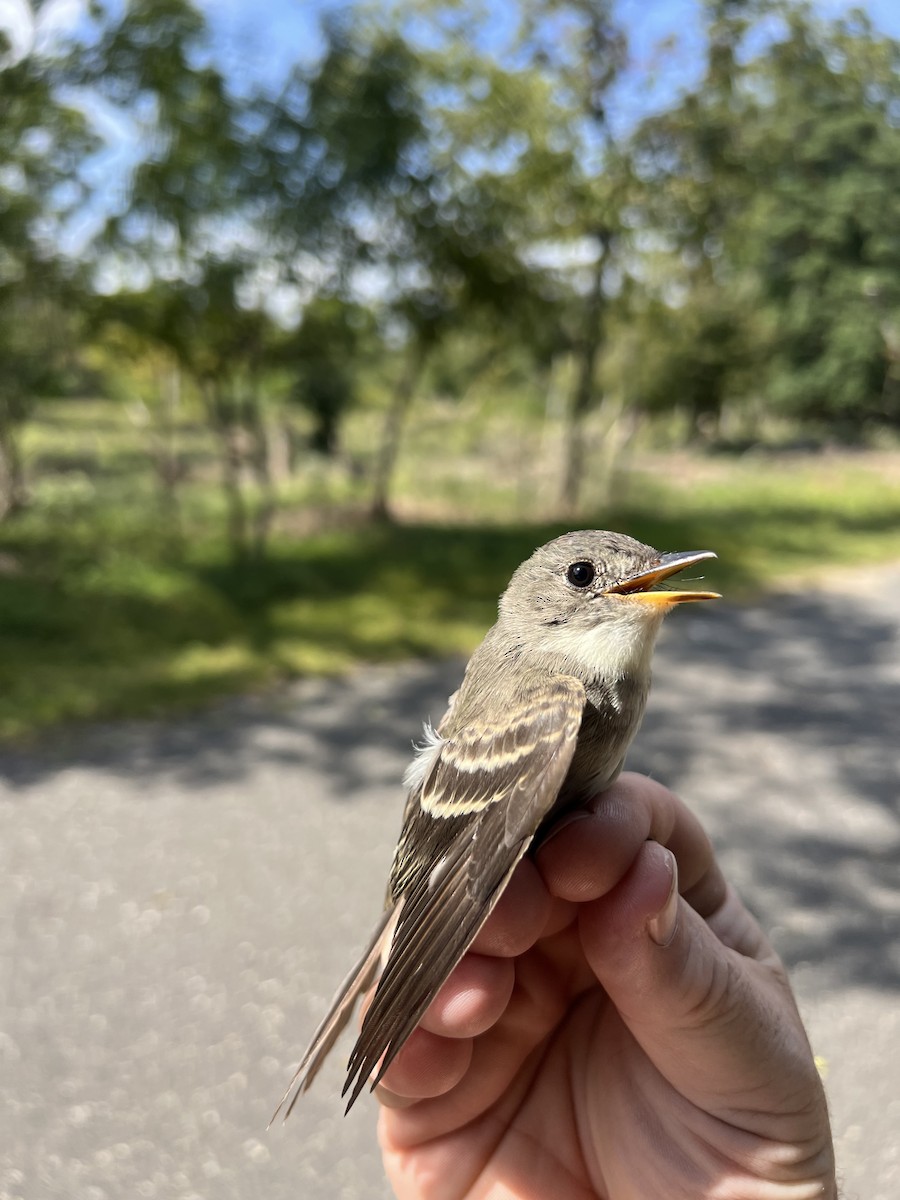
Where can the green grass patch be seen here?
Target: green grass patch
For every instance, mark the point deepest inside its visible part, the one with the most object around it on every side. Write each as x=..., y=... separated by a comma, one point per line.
x=105, y=610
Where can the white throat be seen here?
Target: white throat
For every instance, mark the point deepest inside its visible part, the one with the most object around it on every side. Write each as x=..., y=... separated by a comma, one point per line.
x=611, y=650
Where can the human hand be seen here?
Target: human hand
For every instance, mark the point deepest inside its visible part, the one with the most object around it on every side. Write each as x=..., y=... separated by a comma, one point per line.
x=608, y=1038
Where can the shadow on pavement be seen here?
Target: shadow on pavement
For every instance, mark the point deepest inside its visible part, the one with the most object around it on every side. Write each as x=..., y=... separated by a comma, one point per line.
x=779, y=722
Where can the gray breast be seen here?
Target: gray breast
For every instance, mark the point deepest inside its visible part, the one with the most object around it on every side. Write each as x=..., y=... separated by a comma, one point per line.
x=612, y=716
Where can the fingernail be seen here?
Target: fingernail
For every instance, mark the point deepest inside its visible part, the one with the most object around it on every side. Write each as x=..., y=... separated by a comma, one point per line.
x=662, y=927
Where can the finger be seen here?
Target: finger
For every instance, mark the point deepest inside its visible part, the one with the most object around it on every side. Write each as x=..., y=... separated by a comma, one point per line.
x=520, y=917
x=495, y=1075
x=473, y=998
x=426, y=1066
x=715, y=1023
x=590, y=851
x=563, y=913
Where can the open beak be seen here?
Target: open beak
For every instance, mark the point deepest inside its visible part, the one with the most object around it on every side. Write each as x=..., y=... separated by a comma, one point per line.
x=645, y=588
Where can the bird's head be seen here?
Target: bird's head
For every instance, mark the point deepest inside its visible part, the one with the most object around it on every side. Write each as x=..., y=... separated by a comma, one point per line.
x=597, y=598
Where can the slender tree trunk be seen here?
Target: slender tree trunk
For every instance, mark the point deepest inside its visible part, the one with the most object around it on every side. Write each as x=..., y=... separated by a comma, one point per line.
x=261, y=463
x=279, y=450
x=228, y=437
x=392, y=431
x=294, y=444
x=13, y=489
x=236, y=520
x=618, y=435
x=168, y=466
x=583, y=396
x=705, y=425
x=889, y=388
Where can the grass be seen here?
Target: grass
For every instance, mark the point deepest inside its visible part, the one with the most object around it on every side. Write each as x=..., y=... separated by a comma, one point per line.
x=103, y=613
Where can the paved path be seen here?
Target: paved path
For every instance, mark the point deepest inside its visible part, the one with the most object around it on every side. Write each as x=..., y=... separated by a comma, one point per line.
x=177, y=901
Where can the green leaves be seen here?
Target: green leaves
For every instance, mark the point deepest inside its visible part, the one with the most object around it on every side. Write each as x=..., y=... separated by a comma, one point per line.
x=778, y=182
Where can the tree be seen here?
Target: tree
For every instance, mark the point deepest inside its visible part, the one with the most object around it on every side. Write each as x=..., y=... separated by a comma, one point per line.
x=584, y=65
x=200, y=203
x=43, y=144
x=324, y=355
x=822, y=235
x=529, y=162
x=502, y=172
x=774, y=187
x=219, y=345
x=388, y=191
x=365, y=188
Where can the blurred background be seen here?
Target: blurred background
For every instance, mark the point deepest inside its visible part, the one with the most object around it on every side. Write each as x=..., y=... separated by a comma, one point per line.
x=315, y=318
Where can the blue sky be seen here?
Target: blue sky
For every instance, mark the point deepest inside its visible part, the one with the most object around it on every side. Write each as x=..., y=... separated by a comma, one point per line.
x=262, y=38
x=265, y=47
x=259, y=40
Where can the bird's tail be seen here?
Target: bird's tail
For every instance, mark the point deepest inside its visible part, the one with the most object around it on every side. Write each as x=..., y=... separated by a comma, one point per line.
x=340, y=1010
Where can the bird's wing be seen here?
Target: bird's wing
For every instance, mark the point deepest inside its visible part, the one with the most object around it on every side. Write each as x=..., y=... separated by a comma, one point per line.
x=479, y=808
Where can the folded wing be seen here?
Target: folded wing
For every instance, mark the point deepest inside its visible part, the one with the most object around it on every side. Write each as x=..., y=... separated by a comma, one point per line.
x=477, y=810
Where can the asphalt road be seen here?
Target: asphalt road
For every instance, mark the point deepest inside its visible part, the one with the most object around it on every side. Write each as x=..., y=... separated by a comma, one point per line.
x=178, y=900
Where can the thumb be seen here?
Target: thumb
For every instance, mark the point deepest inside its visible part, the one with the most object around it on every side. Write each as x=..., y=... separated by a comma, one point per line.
x=709, y=1015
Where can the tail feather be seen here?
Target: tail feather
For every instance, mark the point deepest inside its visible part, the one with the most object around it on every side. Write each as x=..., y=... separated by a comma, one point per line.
x=435, y=931
x=340, y=1010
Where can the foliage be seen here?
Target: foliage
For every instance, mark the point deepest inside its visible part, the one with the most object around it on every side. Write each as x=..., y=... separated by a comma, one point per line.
x=776, y=184
x=830, y=262
x=44, y=140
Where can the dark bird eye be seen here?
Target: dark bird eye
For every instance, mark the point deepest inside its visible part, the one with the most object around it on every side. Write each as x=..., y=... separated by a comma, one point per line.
x=581, y=574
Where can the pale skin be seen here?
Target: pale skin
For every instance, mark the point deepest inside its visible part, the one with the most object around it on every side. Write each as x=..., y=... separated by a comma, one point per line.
x=620, y=1030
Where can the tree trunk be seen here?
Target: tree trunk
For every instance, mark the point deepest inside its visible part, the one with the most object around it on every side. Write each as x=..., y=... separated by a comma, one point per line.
x=619, y=433
x=228, y=436
x=279, y=451
x=13, y=490
x=261, y=463
x=890, y=409
x=705, y=424
x=583, y=396
x=392, y=431
x=168, y=466
x=324, y=436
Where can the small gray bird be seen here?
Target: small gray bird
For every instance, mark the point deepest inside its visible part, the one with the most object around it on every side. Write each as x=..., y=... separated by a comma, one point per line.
x=548, y=706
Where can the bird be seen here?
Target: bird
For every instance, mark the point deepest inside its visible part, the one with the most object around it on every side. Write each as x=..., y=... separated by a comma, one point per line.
x=541, y=722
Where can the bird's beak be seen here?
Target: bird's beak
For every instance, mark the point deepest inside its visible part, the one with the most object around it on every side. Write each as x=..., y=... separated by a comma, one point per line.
x=641, y=587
